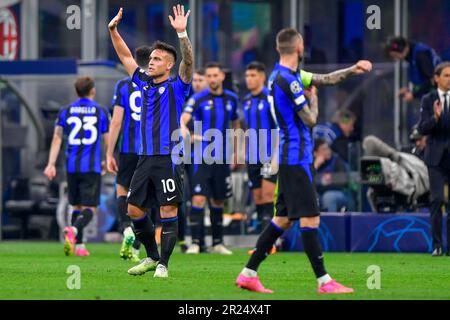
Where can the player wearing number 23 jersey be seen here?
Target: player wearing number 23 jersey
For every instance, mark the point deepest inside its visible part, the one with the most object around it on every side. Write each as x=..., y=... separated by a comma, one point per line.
x=83, y=122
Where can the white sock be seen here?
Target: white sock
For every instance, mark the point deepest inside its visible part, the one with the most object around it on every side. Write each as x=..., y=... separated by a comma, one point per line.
x=249, y=272
x=80, y=246
x=75, y=230
x=127, y=231
x=324, y=279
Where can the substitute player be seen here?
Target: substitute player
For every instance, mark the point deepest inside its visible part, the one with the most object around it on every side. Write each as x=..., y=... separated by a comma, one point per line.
x=84, y=123
x=126, y=119
x=215, y=108
x=156, y=177
x=296, y=198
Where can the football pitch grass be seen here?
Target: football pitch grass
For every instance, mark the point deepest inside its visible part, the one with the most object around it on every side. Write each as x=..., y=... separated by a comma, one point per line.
x=38, y=270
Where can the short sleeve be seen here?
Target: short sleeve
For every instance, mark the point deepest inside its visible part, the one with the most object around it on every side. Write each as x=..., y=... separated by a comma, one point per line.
x=191, y=105
x=181, y=87
x=293, y=89
x=306, y=78
x=61, y=118
x=118, y=97
x=140, y=77
x=104, y=121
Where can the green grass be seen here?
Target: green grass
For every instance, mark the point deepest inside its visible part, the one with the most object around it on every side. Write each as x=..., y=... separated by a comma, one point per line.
x=36, y=270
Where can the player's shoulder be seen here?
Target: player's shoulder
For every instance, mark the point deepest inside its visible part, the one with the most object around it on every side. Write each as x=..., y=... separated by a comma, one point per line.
x=201, y=94
x=230, y=94
x=247, y=97
x=122, y=82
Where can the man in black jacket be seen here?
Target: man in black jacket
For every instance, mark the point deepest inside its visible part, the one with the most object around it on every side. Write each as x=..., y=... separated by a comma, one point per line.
x=435, y=122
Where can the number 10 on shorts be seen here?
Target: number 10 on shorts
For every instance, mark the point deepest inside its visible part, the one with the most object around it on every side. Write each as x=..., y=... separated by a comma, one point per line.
x=168, y=185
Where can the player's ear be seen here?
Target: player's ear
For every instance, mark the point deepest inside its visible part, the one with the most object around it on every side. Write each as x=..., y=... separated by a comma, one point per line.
x=93, y=92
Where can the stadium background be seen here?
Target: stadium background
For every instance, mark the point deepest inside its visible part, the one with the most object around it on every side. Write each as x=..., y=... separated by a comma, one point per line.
x=41, y=58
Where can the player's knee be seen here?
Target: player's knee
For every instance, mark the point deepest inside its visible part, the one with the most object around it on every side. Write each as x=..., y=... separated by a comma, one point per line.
x=257, y=196
x=121, y=191
x=310, y=222
x=135, y=212
x=93, y=209
x=168, y=211
x=282, y=222
x=217, y=203
x=199, y=201
x=267, y=196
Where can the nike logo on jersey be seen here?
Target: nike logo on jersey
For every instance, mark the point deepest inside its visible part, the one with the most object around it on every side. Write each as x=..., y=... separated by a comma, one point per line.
x=171, y=198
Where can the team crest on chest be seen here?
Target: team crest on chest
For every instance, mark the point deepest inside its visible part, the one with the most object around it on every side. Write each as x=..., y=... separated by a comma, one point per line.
x=228, y=107
x=161, y=90
x=261, y=106
x=247, y=105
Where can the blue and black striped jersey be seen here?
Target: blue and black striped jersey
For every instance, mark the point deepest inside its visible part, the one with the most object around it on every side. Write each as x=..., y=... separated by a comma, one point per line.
x=162, y=104
x=83, y=122
x=128, y=96
x=214, y=112
x=258, y=118
x=286, y=91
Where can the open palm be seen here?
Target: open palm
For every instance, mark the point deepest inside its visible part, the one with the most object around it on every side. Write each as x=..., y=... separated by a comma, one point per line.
x=179, y=21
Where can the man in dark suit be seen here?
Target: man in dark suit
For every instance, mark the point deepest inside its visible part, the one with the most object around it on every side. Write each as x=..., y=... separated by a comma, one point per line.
x=435, y=122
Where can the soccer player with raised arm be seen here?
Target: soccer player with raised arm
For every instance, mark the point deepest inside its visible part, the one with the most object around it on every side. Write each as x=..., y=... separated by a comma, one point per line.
x=296, y=199
x=84, y=123
x=157, y=177
x=125, y=122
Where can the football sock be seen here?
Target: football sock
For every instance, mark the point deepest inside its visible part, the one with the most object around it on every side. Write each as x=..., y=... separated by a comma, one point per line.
x=197, y=220
x=249, y=273
x=216, y=215
x=75, y=214
x=312, y=247
x=81, y=221
x=267, y=214
x=122, y=208
x=264, y=244
x=136, y=243
x=145, y=233
x=169, y=235
x=181, y=222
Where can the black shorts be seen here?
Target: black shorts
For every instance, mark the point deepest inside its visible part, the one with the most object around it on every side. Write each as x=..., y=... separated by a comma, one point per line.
x=255, y=178
x=156, y=180
x=296, y=196
x=84, y=189
x=211, y=180
x=127, y=165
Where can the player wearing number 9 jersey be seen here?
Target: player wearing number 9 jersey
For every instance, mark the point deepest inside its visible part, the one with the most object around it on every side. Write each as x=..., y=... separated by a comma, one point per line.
x=126, y=120
x=84, y=123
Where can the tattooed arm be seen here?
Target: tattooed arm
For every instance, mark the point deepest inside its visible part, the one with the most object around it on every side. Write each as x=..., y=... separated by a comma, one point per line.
x=179, y=23
x=342, y=74
x=309, y=113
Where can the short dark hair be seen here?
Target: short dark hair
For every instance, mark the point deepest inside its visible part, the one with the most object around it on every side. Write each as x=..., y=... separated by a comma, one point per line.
x=256, y=65
x=396, y=44
x=200, y=72
x=343, y=116
x=440, y=67
x=165, y=47
x=83, y=86
x=285, y=40
x=142, y=55
x=318, y=142
x=213, y=64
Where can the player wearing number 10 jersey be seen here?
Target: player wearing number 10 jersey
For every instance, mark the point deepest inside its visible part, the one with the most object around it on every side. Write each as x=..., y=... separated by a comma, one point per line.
x=126, y=120
x=84, y=123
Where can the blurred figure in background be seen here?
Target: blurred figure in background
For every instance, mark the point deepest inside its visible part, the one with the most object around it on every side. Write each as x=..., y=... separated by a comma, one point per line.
x=337, y=132
x=331, y=178
x=422, y=60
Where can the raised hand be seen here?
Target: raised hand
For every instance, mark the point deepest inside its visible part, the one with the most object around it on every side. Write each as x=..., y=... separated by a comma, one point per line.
x=116, y=20
x=362, y=66
x=437, y=108
x=179, y=21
